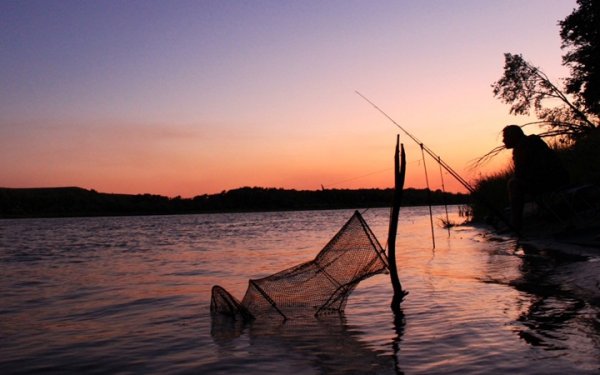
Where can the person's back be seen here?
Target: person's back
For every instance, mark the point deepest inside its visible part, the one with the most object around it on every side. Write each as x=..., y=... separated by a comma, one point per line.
x=537, y=166
x=537, y=169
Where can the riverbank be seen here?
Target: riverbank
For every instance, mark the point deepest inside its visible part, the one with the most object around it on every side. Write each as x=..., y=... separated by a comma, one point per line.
x=581, y=276
x=575, y=249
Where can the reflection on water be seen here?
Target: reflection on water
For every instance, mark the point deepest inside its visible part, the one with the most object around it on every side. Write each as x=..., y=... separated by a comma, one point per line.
x=132, y=294
x=325, y=345
x=554, y=311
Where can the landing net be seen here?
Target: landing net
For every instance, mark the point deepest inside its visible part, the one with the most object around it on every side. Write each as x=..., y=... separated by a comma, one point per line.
x=319, y=286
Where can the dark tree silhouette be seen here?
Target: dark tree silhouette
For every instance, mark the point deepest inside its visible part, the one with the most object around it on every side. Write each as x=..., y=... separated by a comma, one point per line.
x=580, y=33
x=526, y=87
x=573, y=111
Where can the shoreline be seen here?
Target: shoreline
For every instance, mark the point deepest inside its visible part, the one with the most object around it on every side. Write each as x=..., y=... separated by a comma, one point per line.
x=79, y=202
x=575, y=252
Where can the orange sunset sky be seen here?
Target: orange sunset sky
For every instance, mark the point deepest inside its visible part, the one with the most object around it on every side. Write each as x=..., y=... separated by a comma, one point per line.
x=195, y=97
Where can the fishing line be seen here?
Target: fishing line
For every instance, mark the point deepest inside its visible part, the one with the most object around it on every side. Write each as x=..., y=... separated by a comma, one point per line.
x=428, y=197
x=425, y=148
x=355, y=178
x=444, y=197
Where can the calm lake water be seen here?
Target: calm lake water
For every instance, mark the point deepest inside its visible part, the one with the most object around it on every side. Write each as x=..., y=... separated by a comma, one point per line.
x=132, y=295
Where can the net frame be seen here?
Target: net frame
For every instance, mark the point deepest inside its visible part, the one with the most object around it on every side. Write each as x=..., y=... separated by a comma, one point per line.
x=315, y=287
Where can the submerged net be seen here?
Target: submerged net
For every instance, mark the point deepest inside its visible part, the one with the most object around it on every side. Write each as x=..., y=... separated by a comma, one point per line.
x=318, y=286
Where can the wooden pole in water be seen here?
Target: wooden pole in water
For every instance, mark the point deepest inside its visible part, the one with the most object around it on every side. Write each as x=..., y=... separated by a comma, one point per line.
x=399, y=173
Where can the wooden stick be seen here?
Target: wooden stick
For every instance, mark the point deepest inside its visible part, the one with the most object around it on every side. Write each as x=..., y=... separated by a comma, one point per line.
x=399, y=173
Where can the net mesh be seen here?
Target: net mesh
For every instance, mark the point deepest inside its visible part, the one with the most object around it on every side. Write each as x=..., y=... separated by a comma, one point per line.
x=319, y=286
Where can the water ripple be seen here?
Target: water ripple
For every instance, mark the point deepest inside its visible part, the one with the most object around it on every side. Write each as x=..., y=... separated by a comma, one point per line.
x=132, y=295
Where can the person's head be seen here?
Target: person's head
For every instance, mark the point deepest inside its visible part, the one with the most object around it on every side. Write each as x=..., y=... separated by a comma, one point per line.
x=512, y=135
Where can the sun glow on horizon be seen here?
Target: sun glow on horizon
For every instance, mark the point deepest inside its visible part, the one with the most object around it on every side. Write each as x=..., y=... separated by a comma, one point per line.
x=203, y=97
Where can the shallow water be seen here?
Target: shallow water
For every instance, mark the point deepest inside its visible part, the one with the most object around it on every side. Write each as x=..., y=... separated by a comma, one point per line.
x=132, y=295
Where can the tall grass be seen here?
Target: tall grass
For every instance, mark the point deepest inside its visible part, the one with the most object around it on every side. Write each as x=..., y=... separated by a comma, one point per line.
x=491, y=189
x=583, y=159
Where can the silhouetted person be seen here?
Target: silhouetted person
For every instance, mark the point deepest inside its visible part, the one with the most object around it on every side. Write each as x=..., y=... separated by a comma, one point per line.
x=537, y=169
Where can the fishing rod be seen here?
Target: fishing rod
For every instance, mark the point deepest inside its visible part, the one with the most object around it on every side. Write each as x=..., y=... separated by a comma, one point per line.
x=430, y=152
x=443, y=164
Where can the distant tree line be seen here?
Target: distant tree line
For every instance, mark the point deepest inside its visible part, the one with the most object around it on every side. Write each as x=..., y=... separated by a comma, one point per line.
x=74, y=201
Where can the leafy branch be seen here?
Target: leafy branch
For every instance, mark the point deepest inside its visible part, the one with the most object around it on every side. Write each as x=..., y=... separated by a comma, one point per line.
x=526, y=87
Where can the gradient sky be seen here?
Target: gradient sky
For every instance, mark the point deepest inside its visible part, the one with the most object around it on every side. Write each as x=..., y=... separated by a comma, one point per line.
x=195, y=97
